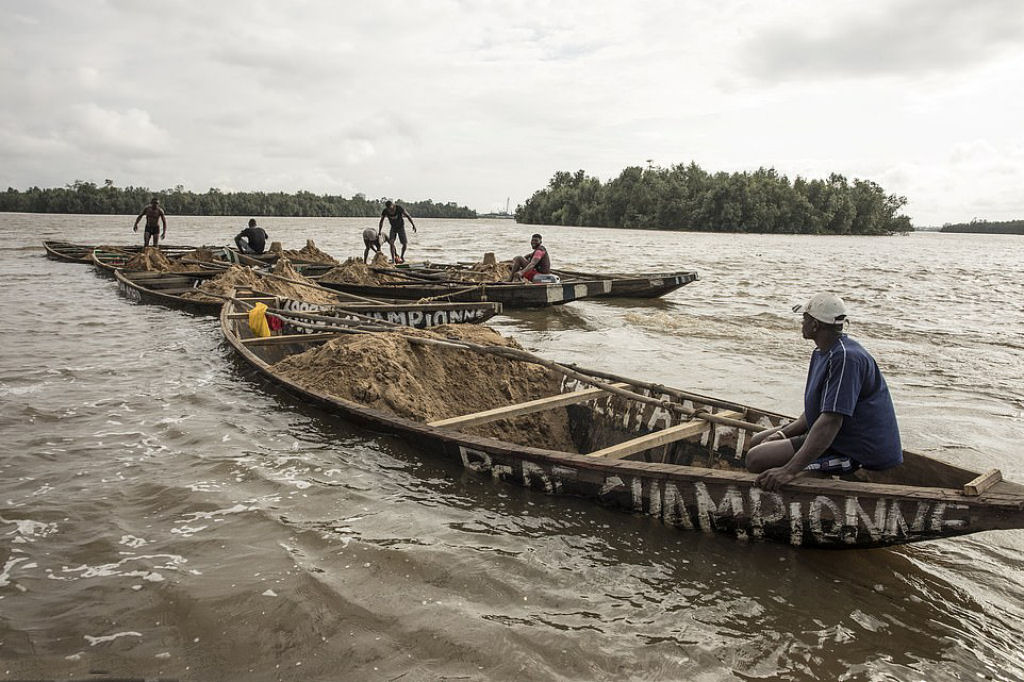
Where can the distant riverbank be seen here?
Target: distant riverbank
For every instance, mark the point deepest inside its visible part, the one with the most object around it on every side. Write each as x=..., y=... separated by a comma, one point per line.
x=986, y=227
x=86, y=198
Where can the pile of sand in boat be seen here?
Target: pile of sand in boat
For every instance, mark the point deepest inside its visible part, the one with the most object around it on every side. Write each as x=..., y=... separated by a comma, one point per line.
x=380, y=271
x=352, y=271
x=309, y=253
x=388, y=372
x=486, y=271
x=152, y=259
x=283, y=280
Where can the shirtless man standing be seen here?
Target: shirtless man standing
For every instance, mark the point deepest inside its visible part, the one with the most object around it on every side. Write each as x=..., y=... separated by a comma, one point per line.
x=154, y=217
x=396, y=215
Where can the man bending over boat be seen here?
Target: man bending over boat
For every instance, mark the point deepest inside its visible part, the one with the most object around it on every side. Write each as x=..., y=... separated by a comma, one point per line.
x=396, y=216
x=371, y=242
x=848, y=420
x=252, y=239
x=154, y=217
x=532, y=264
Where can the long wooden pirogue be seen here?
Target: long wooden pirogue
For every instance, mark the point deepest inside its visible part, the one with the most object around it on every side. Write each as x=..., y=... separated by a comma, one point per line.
x=509, y=294
x=171, y=289
x=82, y=253
x=662, y=452
x=637, y=285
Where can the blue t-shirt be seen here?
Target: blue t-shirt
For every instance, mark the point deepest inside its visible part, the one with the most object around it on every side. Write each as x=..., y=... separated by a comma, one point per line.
x=846, y=379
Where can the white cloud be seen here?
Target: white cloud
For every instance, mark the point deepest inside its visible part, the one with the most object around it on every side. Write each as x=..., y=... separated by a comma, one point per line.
x=101, y=131
x=901, y=39
x=477, y=101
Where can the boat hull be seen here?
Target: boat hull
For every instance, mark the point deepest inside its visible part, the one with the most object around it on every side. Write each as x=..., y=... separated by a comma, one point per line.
x=510, y=295
x=167, y=289
x=667, y=483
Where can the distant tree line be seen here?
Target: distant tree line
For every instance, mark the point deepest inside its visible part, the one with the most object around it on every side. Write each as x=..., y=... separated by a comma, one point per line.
x=686, y=197
x=87, y=197
x=985, y=227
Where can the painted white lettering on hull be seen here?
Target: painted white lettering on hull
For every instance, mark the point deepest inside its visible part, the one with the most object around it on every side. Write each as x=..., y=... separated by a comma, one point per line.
x=731, y=504
x=534, y=472
x=673, y=507
x=759, y=501
x=751, y=511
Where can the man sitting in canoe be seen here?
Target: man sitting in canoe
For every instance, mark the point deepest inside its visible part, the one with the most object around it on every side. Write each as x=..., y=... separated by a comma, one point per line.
x=529, y=266
x=371, y=240
x=154, y=217
x=252, y=239
x=848, y=420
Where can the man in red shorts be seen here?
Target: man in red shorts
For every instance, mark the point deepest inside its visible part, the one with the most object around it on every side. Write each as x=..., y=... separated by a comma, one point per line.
x=533, y=263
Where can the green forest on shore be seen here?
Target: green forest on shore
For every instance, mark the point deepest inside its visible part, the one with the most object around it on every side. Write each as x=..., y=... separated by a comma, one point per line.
x=986, y=227
x=686, y=197
x=88, y=198
x=681, y=197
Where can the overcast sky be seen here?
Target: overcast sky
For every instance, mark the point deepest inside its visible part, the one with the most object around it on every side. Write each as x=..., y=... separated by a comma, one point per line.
x=476, y=102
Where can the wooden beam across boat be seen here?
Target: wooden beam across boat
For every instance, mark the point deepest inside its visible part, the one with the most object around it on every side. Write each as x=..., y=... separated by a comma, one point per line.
x=656, y=438
x=289, y=338
x=520, y=409
x=983, y=483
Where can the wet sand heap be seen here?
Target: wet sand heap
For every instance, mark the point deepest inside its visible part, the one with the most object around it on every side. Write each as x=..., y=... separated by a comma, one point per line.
x=490, y=267
x=152, y=259
x=425, y=383
x=307, y=254
x=487, y=271
x=354, y=271
x=225, y=283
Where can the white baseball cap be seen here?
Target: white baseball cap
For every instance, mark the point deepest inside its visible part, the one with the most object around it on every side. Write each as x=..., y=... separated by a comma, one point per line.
x=827, y=308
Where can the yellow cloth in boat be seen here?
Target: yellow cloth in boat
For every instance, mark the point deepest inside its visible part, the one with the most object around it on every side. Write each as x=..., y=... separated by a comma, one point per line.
x=258, y=320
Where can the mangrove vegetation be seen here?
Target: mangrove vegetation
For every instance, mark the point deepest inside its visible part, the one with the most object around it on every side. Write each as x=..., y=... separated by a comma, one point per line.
x=88, y=198
x=686, y=197
x=986, y=227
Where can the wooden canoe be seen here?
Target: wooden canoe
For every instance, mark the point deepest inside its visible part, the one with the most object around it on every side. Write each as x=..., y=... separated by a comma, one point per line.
x=169, y=289
x=82, y=253
x=661, y=452
x=639, y=285
x=509, y=294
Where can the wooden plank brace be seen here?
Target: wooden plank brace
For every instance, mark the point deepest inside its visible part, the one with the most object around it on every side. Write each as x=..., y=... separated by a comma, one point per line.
x=982, y=483
x=519, y=409
x=655, y=438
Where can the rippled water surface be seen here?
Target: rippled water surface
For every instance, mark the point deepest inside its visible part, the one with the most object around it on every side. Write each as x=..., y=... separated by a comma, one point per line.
x=165, y=513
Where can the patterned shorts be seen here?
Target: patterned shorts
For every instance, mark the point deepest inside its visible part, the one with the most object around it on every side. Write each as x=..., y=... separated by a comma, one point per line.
x=829, y=463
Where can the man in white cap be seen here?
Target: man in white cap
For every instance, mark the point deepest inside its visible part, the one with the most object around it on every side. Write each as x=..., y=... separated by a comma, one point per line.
x=848, y=421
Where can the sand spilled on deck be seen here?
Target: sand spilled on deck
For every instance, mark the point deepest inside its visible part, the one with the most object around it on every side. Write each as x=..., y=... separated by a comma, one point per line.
x=425, y=383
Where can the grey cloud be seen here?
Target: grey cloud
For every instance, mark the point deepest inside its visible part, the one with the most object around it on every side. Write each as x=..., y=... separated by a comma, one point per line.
x=912, y=37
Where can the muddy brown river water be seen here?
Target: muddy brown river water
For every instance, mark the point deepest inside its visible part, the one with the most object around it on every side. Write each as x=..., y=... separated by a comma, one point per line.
x=165, y=514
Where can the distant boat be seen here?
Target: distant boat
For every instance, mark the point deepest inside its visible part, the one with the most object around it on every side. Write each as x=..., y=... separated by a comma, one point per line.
x=500, y=214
